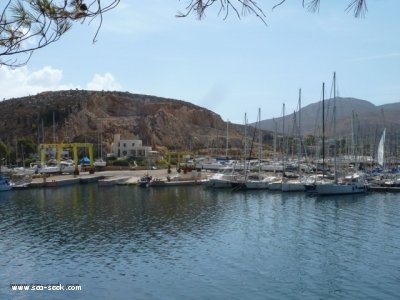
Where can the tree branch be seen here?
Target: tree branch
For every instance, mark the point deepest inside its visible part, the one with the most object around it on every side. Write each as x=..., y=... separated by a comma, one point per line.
x=43, y=22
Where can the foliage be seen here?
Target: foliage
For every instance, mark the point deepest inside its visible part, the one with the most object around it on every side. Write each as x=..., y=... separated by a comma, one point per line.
x=47, y=115
x=310, y=140
x=199, y=7
x=28, y=161
x=3, y=150
x=26, y=146
x=121, y=162
x=142, y=163
x=162, y=163
x=111, y=158
x=28, y=25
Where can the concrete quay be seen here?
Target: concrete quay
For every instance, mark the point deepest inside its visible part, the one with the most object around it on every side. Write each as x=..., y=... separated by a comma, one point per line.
x=108, y=178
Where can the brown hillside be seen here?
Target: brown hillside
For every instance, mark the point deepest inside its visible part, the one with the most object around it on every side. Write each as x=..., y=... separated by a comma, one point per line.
x=78, y=114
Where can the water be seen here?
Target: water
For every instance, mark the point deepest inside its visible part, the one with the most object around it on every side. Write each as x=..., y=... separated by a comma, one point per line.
x=126, y=242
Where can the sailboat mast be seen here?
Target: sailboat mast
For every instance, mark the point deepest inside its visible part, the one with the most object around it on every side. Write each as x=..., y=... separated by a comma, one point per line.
x=323, y=129
x=352, y=134
x=275, y=129
x=101, y=140
x=54, y=128
x=334, y=124
x=283, y=138
x=226, y=151
x=299, y=137
x=259, y=140
x=245, y=142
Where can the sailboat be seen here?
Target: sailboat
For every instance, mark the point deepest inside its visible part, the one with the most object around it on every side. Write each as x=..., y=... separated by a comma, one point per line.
x=381, y=149
x=296, y=185
x=259, y=180
x=349, y=184
x=277, y=184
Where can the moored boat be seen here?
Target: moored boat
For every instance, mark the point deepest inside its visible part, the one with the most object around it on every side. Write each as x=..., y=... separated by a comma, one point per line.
x=5, y=185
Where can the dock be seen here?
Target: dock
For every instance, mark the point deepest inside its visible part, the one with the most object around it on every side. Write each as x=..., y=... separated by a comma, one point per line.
x=110, y=178
x=163, y=183
x=63, y=180
x=133, y=180
x=113, y=180
x=384, y=189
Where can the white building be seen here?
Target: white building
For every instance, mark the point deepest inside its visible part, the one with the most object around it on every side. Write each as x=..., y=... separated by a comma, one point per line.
x=133, y=148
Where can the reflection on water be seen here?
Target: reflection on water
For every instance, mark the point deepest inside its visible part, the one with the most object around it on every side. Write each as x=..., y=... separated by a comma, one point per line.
x=195, y=243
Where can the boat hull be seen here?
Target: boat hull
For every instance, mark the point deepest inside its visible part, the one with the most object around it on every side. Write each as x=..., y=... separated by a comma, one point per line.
x=293, y=187
x=341, y=189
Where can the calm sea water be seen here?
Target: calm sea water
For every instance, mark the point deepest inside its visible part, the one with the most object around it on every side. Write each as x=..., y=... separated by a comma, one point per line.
x=126, y=242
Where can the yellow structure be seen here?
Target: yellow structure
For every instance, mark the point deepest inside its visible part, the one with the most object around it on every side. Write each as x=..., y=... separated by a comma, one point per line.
x=73, y=146
x=179, y=155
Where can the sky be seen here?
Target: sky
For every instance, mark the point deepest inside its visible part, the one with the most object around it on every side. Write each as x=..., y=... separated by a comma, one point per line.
x=231, y=66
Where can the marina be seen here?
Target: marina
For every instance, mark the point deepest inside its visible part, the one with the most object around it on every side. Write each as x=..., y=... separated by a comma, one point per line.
x=163, y=179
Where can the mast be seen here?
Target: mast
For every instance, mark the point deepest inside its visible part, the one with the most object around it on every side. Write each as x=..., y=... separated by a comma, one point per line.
x=22, y=154
x=42, y=132
x=299, y=137
x=275, y=129
x=259, y=140
x=226, y=151
x=283, y=138
x=54, y=129
x=245, y=141
x=352, y=135
x=323, y=129
x=334, y=124
x=101, y=140
x=356, y=145
x=353, y=152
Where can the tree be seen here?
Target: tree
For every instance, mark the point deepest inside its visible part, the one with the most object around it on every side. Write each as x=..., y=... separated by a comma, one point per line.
x=26, y=146
x=29, y=25
x=199, y=7
x=359, y=7
x=3, y=153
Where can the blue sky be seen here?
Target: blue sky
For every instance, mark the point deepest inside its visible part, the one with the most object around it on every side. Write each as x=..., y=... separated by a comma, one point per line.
x=233, y=66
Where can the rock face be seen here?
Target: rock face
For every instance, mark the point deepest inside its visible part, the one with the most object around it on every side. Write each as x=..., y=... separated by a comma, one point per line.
x=80, y=116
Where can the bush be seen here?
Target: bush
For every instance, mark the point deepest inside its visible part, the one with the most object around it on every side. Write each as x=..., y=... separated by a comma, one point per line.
x=121, y=163
x=162, y=163
x=28, y=161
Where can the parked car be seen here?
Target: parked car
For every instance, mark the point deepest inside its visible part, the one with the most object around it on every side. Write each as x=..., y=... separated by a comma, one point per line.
x=154, y=168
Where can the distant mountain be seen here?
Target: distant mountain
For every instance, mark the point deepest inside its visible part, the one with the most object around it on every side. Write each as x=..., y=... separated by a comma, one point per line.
x=367, y=118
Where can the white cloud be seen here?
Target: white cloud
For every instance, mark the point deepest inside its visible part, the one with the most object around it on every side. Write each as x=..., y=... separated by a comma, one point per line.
x=395, y=54
x=107, y=82
x=45, y=77
x=23, y=82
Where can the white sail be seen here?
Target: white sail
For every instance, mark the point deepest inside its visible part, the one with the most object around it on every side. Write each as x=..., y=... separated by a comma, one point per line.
x=381, y=148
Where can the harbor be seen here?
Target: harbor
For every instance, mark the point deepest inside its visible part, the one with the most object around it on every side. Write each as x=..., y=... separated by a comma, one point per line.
x=159, y=178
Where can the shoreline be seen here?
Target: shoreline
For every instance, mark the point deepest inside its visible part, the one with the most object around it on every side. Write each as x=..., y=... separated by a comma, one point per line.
x=111, y=177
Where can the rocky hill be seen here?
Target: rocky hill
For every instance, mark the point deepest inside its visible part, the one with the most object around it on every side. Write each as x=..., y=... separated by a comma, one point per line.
x=367, y=118
x=80, y=116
